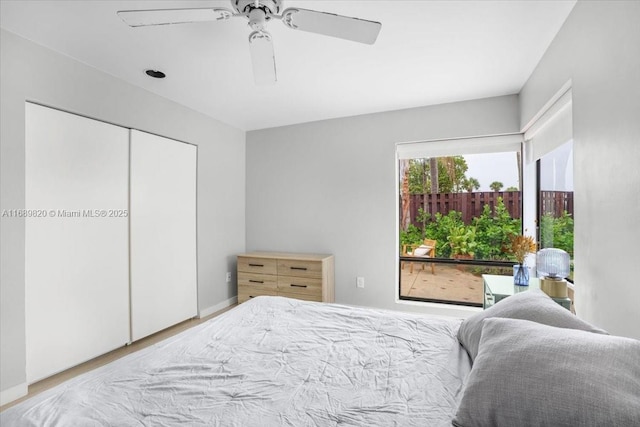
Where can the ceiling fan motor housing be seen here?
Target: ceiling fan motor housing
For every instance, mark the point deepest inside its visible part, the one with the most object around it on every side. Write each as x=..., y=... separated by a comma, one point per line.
x=270, y=7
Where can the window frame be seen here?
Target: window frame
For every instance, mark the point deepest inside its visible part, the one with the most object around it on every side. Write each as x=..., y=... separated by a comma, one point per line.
x=494, y=144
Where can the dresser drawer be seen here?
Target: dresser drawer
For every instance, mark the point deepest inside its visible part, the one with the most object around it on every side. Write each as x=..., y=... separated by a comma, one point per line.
x=257, y=265
x=247, y=292
x=299, y=268
x=265, y=281
x=300, y=285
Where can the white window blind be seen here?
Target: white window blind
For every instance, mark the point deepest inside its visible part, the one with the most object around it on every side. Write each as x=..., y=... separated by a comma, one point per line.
x=461, y=146
x=553, y=128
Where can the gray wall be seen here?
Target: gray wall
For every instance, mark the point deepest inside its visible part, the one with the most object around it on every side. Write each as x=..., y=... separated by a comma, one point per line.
x=31, y=72
x=599, y=49
x=330, y=186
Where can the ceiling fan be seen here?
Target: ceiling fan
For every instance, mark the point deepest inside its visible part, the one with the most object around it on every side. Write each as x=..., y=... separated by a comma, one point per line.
x=259, y=13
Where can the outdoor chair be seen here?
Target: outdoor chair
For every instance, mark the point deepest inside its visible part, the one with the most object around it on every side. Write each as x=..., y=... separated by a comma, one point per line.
x=426, y=250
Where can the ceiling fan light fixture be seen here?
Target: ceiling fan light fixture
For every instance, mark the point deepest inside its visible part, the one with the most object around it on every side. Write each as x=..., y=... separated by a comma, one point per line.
x=257, y=19
x=156, y=74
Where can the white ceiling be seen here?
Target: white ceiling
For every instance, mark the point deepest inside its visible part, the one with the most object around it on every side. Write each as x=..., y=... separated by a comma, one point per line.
x=428, y=52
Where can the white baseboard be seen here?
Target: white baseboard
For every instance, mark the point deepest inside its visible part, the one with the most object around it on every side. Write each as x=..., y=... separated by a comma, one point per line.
x=224, y=304
x=13, y=393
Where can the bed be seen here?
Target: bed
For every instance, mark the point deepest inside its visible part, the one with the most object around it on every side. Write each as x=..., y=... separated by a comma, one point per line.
x=274, y=361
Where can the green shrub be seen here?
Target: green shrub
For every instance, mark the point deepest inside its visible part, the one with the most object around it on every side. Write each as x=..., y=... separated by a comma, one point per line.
x=441, y=228
x=462, y=240
x=412, y=236
x=557, y=232
x=493, y=231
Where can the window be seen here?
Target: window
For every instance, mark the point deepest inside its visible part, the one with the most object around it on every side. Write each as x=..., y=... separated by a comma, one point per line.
x=459, y=204
x=555, y=199
x=549, y=166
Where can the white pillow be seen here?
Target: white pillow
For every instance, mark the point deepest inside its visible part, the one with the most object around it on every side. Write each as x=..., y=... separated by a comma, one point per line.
x=422, y=250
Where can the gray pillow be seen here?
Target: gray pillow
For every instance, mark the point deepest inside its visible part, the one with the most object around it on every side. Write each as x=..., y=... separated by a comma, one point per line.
x=528, y=374
x=532, y=305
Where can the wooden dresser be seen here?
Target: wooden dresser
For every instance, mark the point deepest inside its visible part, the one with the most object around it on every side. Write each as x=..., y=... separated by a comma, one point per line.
x=303, y=276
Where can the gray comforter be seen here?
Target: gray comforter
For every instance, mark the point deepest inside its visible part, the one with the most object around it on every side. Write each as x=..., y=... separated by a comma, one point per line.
x=272, y=362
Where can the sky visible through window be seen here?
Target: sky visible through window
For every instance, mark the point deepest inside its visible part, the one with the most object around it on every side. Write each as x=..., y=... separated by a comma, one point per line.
x=490, y=167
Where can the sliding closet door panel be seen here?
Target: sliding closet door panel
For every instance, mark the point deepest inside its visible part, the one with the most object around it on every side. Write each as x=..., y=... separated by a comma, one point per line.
x=163, y=233
x=76, y=239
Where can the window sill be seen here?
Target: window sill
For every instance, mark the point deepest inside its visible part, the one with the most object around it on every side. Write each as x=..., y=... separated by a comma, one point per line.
x=439, y=309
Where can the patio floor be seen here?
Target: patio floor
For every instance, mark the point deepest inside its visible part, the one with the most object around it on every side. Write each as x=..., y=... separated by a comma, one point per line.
x=448, y=283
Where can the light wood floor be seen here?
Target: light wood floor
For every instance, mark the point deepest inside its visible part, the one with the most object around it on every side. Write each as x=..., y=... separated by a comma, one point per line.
x=54, y=380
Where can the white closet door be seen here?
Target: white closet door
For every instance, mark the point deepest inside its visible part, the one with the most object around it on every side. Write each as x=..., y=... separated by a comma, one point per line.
x=76, y=239
x=163, y=233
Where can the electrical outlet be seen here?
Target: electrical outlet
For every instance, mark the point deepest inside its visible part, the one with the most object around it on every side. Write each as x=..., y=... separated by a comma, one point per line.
x=228, y=277
x=360, y=282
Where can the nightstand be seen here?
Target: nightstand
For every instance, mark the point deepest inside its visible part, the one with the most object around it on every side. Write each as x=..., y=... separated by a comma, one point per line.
x=497, y=288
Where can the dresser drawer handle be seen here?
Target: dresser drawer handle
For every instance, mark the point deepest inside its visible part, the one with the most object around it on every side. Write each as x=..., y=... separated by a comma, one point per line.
x=299, y=268
x=256, y=281
x=298, y=286
x=256, y=265
x=251, y=296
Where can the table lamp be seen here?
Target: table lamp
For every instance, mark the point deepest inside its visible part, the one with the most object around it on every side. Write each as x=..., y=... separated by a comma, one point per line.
x=552, y=266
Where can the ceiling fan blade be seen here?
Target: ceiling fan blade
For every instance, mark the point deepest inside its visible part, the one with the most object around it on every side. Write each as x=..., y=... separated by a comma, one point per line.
x=329, y=24
x=142, y=18
x=262, y=57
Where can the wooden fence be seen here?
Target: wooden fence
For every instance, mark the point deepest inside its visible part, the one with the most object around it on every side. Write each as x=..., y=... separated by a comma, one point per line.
x=472, y=204
x=556, y=202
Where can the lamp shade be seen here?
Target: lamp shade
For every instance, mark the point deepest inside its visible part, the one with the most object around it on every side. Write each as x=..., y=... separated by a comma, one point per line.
x=553, y=263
